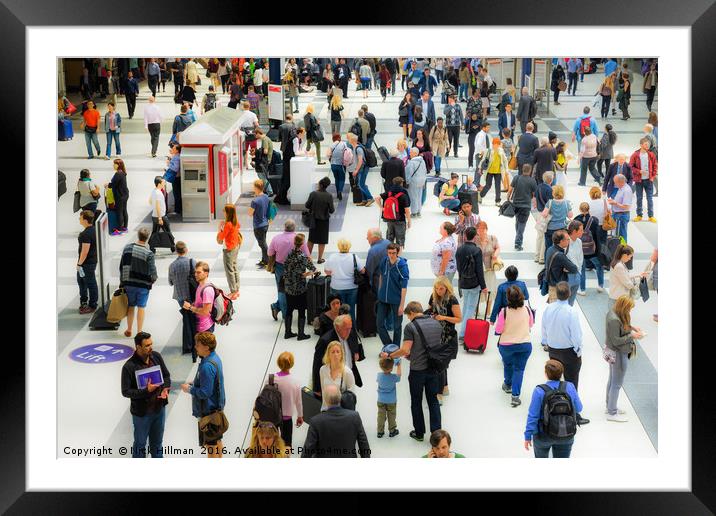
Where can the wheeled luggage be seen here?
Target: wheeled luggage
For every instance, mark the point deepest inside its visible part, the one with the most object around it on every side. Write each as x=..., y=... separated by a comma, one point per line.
x=112, y=220
x=365, y=312
x=311, y=404
x=608, y=248
x=383, y=153
x=64, y=130
x=477, y=331
x=470, y=196
x=317, y=295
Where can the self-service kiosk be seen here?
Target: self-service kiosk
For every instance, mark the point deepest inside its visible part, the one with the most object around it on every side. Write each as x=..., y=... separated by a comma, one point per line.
x=211, y=164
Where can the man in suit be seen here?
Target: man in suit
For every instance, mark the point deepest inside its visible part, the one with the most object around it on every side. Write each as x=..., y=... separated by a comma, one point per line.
x=526, y=110
x=334, y=432
x=428, y=107
x=507, y=120
x=286, y=132
x=526, y=146
x=353, y=350
x=391, y=169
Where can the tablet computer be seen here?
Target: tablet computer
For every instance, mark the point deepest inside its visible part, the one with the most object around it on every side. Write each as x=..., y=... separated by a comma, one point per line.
x=153, y=373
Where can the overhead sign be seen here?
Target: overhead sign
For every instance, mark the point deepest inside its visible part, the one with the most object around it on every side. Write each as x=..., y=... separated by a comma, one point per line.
x=275, y=102
x=101, y=353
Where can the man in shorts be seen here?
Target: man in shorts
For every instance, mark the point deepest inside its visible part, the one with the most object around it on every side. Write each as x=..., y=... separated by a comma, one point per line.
x=137, y=273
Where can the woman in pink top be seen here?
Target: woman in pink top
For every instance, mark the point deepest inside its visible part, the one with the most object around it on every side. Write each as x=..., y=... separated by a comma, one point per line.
x=513, y=326
x=588, y=156
x=290, y=391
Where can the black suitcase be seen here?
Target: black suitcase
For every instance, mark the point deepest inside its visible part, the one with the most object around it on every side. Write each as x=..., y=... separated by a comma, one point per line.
x=318, y=289
x=469, y=196
x=161, y=238
x=311, y=404
x=61, y=184
x=608, y=249
x=365, y=312
x=383, y=153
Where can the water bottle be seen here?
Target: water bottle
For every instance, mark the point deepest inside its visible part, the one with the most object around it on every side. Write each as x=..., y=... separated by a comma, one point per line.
x=81, y=272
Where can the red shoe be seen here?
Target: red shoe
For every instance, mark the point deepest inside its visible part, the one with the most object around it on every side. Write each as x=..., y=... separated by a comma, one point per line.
x=446, y=212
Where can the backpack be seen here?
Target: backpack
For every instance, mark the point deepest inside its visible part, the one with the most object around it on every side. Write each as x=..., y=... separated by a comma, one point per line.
x=467, y=272
x=222, y=310
x=370, y=159
x=267, y=406
x=191, y=280
x=347, y=156
x=559, y=418
x=272, y=211
x=543, y=276
x=493, y=87
x=583, y=124
x=439, y=354
x=391, y=206
x=357, y=130
x=588, y=244
x=438, y=186
x=209, y=101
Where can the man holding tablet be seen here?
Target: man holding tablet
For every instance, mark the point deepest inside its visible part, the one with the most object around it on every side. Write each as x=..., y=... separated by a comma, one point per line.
x=146, y=381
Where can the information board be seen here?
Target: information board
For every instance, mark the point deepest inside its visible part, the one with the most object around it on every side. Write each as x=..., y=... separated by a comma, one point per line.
x=223, y=172
x=275, y=102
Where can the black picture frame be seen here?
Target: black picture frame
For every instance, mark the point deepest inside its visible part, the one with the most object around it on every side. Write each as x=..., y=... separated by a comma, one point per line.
x=700, y=15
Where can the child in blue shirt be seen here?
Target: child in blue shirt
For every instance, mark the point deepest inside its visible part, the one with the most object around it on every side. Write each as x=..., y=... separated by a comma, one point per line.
x=387, y=396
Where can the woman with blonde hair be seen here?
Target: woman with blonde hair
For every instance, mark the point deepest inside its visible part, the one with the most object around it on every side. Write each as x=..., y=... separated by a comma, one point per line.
x=445, y=308
x=334, y=370
x=336, y=107
x=490, y=247
x=266, y=443
x=341, y=267
x=620, y=346
x=606, y=90
x=230, y=236
x=559, y=210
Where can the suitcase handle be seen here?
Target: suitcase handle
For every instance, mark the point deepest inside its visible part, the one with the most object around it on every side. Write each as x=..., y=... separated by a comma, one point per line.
x=487, y=304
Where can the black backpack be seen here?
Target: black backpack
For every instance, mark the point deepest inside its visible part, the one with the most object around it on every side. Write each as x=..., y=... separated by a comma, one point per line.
x=357, y=130
x=210, y=101
x=439, y=354
x=559, y=418
x=370, y=158
x=191, y=281
x=267, y=406
x=467, y=271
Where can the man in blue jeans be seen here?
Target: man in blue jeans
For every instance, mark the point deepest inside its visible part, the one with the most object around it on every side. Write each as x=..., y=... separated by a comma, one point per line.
x=421, y=329
x=359, y=170
x=471, y=276
x=280, y=246
x=534, y=431
x=392, y=287
x=148, y=399
x=621, y=205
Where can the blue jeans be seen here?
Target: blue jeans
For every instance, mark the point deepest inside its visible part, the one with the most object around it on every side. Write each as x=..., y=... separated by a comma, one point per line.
x=597, y=267
x=462, y=91
x=339, y=174
x=574, y=280
x=645, y=186
x=560, y=449
x=369, y=142
x=514, y=360
x=622, y=220
x=383, y=310
x=295, y=99
x=281, y=300
x=437, y=160
x=150, y=426
x=91, y=139
x=88, y=284
x=451, y=204
x=349, y=297
x=430, y=382
x=362, y=176
x=113, y=135
x=470, y=298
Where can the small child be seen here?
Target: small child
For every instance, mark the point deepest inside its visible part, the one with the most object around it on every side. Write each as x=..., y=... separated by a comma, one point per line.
x=387, y=396
x=291, y=400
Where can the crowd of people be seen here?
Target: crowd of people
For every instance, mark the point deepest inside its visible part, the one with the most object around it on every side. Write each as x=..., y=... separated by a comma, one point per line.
x=530, y=170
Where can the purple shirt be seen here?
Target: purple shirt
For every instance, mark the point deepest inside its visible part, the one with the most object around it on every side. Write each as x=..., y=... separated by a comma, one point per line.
x=282, y=244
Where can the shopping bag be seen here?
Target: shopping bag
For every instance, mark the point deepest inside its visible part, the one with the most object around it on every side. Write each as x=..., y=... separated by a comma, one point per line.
x=118, y=306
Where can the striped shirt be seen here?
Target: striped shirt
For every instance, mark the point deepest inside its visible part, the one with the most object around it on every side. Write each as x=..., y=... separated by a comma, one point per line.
x=179, y=271
x=137, y=268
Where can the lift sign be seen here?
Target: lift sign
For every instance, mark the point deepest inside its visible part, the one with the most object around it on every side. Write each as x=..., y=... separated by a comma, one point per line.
x=101, y=353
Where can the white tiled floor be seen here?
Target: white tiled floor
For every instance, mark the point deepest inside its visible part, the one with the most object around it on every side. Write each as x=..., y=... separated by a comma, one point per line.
x=477, y=413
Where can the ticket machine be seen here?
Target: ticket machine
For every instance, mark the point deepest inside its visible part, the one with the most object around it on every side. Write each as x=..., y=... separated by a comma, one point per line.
x=211, y=164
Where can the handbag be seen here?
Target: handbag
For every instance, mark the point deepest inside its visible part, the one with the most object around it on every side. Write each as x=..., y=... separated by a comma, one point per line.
x=71, y=108
x=609, y=355
x=644, y=289
x=271, y=265
x=359, y=278
x=562, y=86
x=109, y=198
x=318, y=134
x=76, y=202
x=512, y=164
x=308, y=219
x=497, y=265
x=609, y=222
x=118, y=306
x=507, y=209
x=213, y=426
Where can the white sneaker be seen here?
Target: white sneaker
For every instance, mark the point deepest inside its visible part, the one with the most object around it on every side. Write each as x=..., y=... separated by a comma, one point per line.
x=619, y=411
x=617, y=418
x=581, y=292
x=600, y=289
x=470, y=168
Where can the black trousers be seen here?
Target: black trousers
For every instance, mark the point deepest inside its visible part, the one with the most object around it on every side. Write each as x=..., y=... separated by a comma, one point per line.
x=178, y=83
x=154, y=130
x=650, y=97
x=606, y=100
x=120, y=205
x=225, y=83
x=489, y=179
x=260, y=234
x=453, y=138
x=131, y=103
x=571, y=362
x=344, y=87
x=556, y=94
x=176, y=190
x=287, y=431
x=165, y=226
x=153, y=82
x=573, y=78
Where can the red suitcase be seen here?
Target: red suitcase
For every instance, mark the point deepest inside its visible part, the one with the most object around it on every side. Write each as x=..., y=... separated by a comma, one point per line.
x=476, y=331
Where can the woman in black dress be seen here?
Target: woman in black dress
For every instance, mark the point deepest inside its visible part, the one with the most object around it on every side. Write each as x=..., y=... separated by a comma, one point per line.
x=297, y=268
x=320, y=204
x=557, y=77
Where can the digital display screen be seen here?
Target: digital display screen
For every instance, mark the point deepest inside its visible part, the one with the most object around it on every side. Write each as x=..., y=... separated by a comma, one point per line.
x=191, y=175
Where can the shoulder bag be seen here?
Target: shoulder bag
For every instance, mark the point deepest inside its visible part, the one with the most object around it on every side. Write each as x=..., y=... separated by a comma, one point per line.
x=213, y=426
x=359, y=278
x=609, y=222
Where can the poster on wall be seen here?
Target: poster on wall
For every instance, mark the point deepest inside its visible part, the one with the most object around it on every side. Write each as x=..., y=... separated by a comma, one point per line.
x=275, y=102
x=540, y=74
x=223, y=172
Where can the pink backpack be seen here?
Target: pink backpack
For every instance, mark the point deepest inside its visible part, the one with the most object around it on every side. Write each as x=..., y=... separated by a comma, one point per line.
x=347, y=156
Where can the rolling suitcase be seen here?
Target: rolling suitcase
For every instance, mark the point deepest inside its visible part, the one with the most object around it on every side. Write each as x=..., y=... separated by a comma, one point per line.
x=64, y=130
x=318, y=289
x=311, y=404
x=471, y=196
x=365, y=312
x=112, y=220
x=476, y=332
x=383, y=153
x=161, y=238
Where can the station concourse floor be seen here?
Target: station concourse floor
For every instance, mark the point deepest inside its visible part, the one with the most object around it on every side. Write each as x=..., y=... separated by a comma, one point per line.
x=477, y=413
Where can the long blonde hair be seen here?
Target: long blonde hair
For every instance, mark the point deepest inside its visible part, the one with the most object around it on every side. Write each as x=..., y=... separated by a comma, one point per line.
x=336, y=102
x=623, y=307
x=278, y=448
x=449, y=292
x=326, y=355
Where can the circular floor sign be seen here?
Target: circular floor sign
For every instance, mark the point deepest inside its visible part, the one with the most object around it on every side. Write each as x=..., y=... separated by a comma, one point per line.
x=101, y=353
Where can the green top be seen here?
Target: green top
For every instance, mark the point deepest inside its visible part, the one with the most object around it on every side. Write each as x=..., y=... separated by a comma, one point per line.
x=455, y=455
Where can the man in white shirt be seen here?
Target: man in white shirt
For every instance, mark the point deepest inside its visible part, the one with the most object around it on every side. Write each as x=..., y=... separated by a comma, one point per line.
x=575, y=253
x=152, y=122
x=159, y=207
x=248, y=122
x=482, y=142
